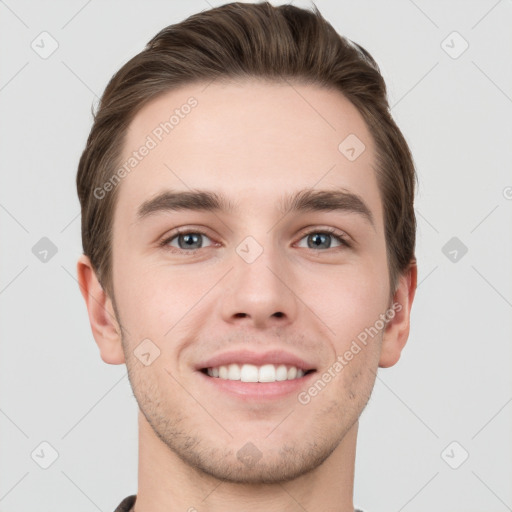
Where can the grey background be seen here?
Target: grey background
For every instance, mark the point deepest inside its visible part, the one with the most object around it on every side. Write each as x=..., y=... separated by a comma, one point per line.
x=453, y=382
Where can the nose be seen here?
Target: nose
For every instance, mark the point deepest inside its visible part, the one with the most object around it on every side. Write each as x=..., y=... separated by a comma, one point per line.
x=259, y=292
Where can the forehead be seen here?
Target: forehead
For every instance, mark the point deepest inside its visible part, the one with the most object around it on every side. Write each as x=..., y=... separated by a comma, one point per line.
x=253, y=140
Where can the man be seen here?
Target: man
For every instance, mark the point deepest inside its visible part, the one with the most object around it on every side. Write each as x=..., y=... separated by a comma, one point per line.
x=248, y=231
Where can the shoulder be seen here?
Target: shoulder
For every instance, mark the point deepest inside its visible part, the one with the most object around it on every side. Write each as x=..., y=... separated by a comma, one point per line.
x=127, y=504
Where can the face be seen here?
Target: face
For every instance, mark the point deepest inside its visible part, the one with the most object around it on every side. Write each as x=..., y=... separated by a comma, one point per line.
x=258, y=279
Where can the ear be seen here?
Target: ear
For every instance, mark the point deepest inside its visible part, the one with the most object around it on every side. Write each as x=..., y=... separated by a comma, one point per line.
x=397, y=330
x=104, y=325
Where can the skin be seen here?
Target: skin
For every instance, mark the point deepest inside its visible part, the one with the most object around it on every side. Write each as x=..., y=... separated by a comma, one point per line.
x=252, y=141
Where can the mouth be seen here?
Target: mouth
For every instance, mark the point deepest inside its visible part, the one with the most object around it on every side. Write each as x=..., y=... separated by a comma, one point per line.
x=266, y=373
x=255, y=377
x=252, y=384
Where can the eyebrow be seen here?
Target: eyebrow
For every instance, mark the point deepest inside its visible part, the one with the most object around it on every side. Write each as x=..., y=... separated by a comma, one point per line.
x=305, y=200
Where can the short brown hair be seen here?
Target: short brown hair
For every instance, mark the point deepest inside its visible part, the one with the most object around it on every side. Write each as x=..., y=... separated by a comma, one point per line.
x=243, y=40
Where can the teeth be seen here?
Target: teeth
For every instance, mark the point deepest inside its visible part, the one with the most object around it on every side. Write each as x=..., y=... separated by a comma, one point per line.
x=252, y=373
x=248, y=373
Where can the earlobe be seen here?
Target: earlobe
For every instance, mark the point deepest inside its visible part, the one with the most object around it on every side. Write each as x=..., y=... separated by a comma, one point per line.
x=104, y=326
x=396, y=332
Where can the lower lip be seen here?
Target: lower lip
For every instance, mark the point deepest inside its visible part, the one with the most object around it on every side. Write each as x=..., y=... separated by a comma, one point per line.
x=255, y=391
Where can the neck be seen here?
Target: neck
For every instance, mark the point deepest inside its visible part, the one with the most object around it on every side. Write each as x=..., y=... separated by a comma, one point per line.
x=165, y=482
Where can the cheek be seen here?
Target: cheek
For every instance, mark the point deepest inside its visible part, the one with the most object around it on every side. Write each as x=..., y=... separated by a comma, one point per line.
x=348, y=299
x=155, y=299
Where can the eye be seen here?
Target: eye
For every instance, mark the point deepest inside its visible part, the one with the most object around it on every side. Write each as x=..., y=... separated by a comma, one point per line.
x=322, y=239
x=191, y=241
x=187, y=241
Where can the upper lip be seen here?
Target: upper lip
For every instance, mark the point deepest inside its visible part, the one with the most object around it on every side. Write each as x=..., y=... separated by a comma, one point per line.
x=259, y=359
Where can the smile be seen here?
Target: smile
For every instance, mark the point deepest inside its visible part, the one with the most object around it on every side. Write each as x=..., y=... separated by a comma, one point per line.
x=253, y=373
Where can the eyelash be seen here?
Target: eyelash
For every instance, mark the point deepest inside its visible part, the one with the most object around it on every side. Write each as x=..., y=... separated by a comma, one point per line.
x=324, y=231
